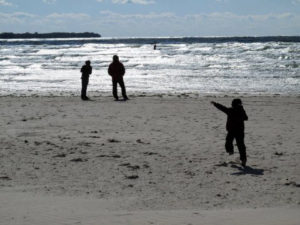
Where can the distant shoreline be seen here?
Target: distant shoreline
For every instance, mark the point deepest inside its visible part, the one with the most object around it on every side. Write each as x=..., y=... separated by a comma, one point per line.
x=48, y=35
x=94, y=38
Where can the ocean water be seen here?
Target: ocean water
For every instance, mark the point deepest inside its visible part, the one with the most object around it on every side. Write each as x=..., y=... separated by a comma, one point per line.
x=204, y=66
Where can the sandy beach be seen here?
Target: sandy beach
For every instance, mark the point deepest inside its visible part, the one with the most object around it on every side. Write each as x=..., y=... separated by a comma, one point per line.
x=151, y=160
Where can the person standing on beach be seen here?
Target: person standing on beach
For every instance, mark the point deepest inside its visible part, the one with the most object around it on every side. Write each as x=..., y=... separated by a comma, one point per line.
x=235, y=127
x=86, y=71
x=117, y=70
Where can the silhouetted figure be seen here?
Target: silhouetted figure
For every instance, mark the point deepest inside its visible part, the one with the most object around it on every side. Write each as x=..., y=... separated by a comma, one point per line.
x=86, y=70
x=116, y=70
x=154, y=47
x=235, y=127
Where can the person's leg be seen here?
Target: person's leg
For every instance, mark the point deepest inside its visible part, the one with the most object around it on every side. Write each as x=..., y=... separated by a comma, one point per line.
x=115, y=89
x=87, y=84
x=229, y=143
x=242, y=148
x=122, y=85
x=84, y=83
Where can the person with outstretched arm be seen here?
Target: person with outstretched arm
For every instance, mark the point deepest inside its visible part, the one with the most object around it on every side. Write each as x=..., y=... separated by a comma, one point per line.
x=235, y=127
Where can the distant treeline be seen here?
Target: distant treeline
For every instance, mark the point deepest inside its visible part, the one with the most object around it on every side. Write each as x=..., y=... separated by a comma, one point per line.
x=48, y=35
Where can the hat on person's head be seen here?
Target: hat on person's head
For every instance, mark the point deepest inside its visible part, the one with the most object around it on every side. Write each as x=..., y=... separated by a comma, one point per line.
x=236, y=102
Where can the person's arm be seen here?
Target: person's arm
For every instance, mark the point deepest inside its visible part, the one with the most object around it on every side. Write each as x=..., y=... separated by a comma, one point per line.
x=110, y=70
x=220, y=107
x=91, y=70
x=245, y=117
x=122, y=69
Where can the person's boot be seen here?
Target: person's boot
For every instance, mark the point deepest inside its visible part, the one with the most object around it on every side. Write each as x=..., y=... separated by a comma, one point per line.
x=244, y=162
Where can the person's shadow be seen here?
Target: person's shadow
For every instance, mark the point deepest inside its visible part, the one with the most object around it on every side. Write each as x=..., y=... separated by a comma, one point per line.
x=247, y=170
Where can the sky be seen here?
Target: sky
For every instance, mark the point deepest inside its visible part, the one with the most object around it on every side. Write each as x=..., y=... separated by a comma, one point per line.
x=153, y=18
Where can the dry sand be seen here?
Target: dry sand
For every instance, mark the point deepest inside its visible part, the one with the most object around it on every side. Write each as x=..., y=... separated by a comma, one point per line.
x=151, y=160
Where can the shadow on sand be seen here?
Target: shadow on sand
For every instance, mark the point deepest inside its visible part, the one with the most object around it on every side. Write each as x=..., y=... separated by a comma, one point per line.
x=247, y=170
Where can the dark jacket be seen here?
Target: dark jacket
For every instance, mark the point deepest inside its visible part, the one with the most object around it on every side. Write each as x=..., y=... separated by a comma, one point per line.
x=86, y=71
x=116, y=70
x=235, y=117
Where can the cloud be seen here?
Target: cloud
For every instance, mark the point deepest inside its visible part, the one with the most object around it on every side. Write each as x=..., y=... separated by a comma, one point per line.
x=5, y=3
x=230, y=24
x=113, y=24
x=16, y=17
x=209, y=24
x=66, y=16
x=49, y=1
x=25, y=22
x=142, y=2
x=117, y=16
x=296, y=2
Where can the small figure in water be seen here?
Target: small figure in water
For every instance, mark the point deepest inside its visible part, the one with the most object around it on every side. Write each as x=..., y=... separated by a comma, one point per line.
x=235, y=127
x=86, y=70
x=117, y=70
x=154, y=47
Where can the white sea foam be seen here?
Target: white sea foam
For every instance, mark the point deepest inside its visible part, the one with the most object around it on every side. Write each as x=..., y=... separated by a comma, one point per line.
x=204, y=68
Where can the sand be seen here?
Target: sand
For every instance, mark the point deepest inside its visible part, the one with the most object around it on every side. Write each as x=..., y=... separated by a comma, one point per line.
x=152, y=160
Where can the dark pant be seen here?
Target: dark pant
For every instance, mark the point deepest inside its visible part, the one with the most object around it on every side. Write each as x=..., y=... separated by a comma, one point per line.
x=119, y=81
x=84, y=84
x=239, y=137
